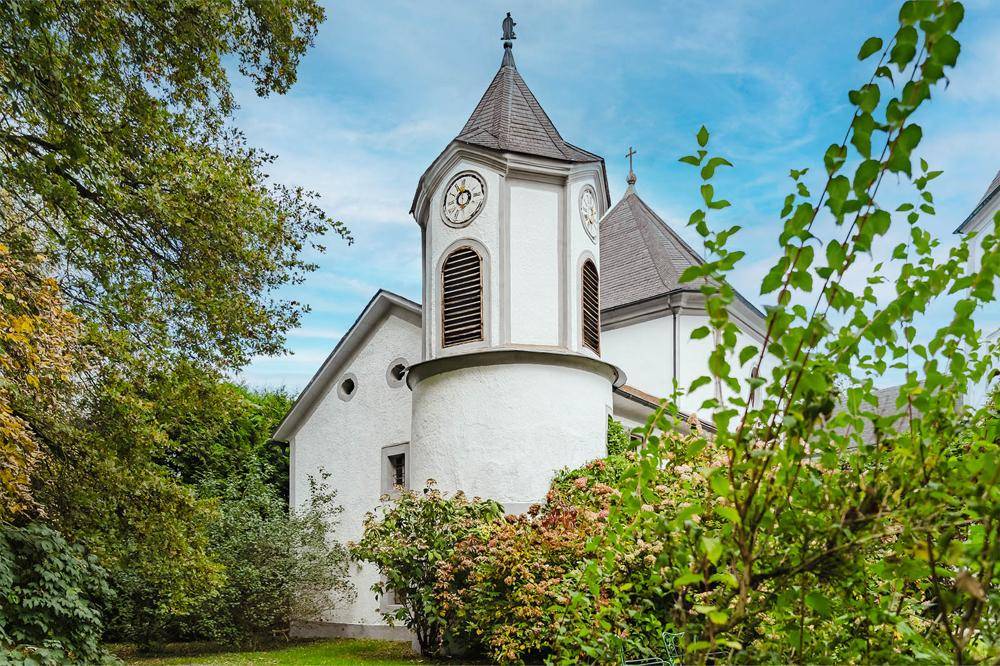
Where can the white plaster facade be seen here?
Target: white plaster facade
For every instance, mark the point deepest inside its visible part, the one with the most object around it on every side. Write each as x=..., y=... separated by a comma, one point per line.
x=501, y=430
x=478, y=407
x=980, y=223
x=345, y=438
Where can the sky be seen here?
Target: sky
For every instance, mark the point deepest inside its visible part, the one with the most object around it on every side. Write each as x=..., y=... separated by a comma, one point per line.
x=389, y=84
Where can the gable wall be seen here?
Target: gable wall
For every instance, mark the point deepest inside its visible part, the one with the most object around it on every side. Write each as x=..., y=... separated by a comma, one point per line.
x=346, y=440
x=645, y=351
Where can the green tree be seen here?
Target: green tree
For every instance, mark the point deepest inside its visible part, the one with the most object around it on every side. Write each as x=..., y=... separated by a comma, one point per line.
x=120, y=159
x=162, y=233
x=38, y=352
x=802, y=541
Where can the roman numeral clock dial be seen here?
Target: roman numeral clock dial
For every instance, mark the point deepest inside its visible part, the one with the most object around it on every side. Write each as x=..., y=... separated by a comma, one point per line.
x=463, y=199
x=589, y=215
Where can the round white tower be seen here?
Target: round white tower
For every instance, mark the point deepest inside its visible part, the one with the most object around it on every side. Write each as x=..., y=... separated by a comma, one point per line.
x=512, y=386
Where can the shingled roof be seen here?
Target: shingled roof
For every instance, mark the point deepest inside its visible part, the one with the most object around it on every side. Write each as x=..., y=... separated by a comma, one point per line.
x=509, y=118
x=641, y=256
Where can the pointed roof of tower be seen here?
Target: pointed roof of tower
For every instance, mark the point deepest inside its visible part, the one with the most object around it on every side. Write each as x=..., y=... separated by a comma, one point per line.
x=509, y=118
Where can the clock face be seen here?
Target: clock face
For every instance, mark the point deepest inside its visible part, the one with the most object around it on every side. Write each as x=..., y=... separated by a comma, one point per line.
x=588, y=211
x=463, y=199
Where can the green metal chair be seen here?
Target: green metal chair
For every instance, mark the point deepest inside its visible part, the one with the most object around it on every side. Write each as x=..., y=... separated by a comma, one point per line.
x=671, y=653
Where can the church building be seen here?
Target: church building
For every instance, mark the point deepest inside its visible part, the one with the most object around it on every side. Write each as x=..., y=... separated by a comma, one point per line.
x=546, y=307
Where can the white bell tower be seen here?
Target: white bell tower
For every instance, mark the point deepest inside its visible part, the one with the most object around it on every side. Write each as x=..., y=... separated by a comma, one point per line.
x=512, y=386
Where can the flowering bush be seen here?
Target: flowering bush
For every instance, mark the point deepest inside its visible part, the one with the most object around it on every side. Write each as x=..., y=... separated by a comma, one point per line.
x=504, y=586
x=410, y=537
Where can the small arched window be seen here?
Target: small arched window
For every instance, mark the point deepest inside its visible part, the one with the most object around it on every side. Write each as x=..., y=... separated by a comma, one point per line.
x=590, y=292
x=462, y=297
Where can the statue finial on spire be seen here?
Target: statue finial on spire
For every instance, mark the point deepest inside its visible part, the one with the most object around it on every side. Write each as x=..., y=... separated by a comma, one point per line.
x=508, y=35
x=631, y=174
x=508, y=29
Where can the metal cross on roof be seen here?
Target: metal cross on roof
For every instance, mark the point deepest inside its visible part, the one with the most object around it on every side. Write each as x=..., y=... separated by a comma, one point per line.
x=631, y=174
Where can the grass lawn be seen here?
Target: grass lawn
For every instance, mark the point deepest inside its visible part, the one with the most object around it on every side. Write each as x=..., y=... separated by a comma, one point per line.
x=335, y=652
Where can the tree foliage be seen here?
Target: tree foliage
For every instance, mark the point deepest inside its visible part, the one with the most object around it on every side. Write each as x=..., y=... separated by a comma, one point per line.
x=150, y=243
x=811, y=542
x=51, y=596
x=38, y=350
x=119, y=158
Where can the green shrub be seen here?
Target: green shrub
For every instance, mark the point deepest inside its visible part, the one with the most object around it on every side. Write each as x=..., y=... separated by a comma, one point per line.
x=409, y=537
x=279, y=565
x=51, y=594
x=619, y=438
x=152, y=538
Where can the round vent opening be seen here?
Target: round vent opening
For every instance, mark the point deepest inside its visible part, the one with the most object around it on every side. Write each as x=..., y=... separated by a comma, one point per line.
x=348, y=387
x=395, y=375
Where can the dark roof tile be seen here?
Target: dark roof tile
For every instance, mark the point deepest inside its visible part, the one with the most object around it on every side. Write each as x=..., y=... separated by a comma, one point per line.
x=641, y=256
x=509, y=118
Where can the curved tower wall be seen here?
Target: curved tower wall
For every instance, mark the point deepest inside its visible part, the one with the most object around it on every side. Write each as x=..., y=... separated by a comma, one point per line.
x=501, y=430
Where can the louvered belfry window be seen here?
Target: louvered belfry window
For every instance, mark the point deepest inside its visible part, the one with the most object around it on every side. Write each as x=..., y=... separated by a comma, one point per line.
x=462, y=297
x=591, y=307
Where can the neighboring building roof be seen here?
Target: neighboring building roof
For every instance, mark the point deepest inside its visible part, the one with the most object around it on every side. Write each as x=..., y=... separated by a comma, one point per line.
x=509, y=118
x=652, y=403
x=381, y=303
x=992, y=192
x=886, y=399
x=641, y=256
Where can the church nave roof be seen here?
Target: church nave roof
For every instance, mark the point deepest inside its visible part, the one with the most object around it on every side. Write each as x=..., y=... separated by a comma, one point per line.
x=641, y=256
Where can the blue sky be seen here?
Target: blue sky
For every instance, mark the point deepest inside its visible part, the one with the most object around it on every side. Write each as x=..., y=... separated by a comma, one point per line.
x=389, y=84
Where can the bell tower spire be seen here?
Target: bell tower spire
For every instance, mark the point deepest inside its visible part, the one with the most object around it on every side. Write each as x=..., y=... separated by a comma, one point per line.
x=509, y=214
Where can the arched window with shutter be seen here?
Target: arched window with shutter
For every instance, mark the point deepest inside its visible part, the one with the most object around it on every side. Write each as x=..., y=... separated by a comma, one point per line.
x=462, y=297
x=590, y=304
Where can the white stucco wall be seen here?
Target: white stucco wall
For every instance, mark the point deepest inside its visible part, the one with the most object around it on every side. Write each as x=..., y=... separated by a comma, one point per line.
x=534, y=262
x=501, y=431
x=346, y=439
x=644, y=350
x=979, y=392
x=441, y=238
